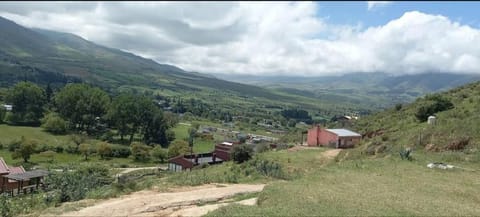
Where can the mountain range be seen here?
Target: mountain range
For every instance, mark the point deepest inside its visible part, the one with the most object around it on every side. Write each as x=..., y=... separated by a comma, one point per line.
x=56, y=58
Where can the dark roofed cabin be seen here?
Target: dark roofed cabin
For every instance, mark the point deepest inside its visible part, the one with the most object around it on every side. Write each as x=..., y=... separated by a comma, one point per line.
x=16, y=178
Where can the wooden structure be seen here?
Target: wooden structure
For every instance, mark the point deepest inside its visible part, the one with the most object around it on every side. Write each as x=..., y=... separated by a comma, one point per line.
x=187, y=162
x=335, y=138
x=17, y=180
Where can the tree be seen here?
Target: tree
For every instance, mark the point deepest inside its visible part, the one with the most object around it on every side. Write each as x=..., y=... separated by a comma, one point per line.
x=432, y=104
x=53, y=123
x=159, y=154
x=25, y=150
x=155, y=130
x=178, y=147
x=242, y=153
x=27, y=100
x=81, y=104
x=104, y=150
x=48, y=93
x=85, y=149
x=140, y=151
x=122, y=114
x=192, y=132
x=78, y=139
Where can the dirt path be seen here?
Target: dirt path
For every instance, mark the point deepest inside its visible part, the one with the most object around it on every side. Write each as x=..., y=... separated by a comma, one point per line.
x=151, y=203
x=331, y=153
x=128, y=170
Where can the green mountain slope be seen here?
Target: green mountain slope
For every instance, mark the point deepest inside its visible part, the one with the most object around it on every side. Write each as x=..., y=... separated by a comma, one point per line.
x=377, y=89
x=456, y=125
x=44, y=56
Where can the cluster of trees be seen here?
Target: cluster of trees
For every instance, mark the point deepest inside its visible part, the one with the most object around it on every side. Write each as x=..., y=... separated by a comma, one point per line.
x=83, y=108
x=297, y=114
x=432, y=104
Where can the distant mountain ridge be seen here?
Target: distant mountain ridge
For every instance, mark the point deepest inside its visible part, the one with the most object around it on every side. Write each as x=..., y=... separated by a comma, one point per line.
x=377, y=88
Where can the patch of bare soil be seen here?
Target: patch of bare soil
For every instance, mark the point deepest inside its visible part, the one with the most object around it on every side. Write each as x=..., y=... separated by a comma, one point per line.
x=151, y=203
x=202, y=210
x=330, y=154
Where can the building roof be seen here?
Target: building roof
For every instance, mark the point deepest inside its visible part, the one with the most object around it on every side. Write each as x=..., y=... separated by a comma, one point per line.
x=3, y=167
x=17, y=170
x=343, y=132
x=27, y=175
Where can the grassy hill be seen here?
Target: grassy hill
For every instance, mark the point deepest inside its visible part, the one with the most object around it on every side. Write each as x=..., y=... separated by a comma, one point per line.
x=401, y=127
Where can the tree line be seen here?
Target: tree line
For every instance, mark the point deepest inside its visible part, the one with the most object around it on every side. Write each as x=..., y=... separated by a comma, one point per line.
x=80, y=107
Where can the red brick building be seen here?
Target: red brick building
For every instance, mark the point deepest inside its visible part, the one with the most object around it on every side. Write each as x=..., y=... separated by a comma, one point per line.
x=335, y=138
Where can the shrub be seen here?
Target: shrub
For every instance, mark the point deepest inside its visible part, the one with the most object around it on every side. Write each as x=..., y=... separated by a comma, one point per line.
x=120, y=151
x=140, y=151
x=104, y=149
x=73, y=183
x=267, y=168
x=406, y=154
x=53, y=123
x=71, y=149
x=242, y=153
x=107, y=136
x=178, y=148
x=433, y=104
x=25, y=150
x=85, y=149
x=159, y=154
x=59, y=149
x=398, y=106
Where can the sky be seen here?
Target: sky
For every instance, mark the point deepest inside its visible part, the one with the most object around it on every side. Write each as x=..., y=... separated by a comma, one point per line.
x=275, y=38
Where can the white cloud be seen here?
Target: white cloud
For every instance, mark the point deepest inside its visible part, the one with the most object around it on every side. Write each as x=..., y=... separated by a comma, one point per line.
x=373, y=4
x=264, y=38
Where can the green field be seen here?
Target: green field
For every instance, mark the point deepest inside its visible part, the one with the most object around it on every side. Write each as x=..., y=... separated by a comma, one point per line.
x=368, y=187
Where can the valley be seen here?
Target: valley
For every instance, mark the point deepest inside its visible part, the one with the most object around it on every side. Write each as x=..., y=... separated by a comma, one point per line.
x=90, y=130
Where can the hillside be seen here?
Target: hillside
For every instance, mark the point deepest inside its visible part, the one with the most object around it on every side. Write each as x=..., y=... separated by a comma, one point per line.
x=44, y=56
x=456, y=127
x=367, y=89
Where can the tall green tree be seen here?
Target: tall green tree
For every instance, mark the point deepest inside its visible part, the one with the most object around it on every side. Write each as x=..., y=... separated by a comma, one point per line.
x=28, y=102
x=81, y=104
x=121, y=114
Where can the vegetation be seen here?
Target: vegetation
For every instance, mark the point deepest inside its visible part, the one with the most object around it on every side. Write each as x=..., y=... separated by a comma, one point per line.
x=242, y=153
x=53, y=123
x=178, y=148
x=28, y=100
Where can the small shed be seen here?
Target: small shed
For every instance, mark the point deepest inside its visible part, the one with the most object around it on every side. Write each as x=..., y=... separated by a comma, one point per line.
x=432, y=120
x=8, y=107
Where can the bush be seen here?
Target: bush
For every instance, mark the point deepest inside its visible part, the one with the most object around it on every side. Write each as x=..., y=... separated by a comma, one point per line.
x=120, y=151
x=242, y=153
x=71, y=149
x=433, y=104
x=53, y=123
x=104, y=149
x=25, y=150
x=178, y=148
x=140, y=151
x=267, y=168
x=85, y=149
x=73, y=183
x=159, y=154
x=59, y=149
x=406, y=154
x=107, y=136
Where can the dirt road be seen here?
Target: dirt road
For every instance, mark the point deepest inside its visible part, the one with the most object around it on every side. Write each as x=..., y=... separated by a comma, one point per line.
x=151, y=203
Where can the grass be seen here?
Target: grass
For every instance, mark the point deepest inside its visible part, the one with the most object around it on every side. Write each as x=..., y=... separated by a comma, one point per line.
x=9, y=133
x=366, y=187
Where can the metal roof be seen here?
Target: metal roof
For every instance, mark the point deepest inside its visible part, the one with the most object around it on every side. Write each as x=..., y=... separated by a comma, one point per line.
x=3, y=166
x=343, y=132
x=27, y=175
